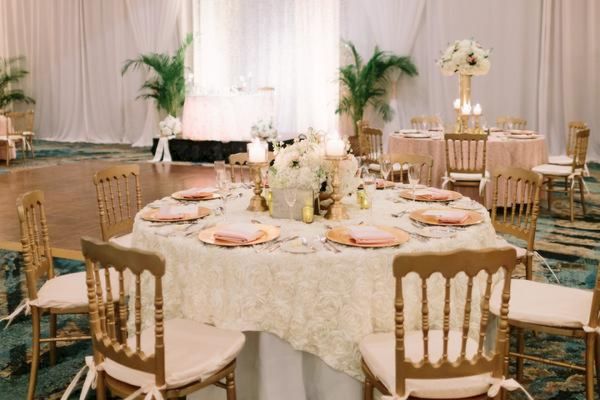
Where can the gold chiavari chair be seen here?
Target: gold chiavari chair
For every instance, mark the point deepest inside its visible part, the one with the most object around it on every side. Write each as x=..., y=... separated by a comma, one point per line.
x=520, y=208
x=238, y=166
x=568, y=173
x=426, y=122
x=23, y=125
x=174, y=357
x=466, y=159
x=402, y=161
x=371, y=145
x=443, y=359
x=558, y=311
x=567, y=159
x=119, y=196
x=12, y=139
x=507, y=123
x=56, y=295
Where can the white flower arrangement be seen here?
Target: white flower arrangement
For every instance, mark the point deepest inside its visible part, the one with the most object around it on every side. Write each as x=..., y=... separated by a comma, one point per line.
x=170, y=126
x=465, y=57
x=303, y=165
x=264, y=131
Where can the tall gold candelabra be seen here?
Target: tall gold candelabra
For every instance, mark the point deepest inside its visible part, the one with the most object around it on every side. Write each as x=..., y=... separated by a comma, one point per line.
x=257, y=202
x=336, y=211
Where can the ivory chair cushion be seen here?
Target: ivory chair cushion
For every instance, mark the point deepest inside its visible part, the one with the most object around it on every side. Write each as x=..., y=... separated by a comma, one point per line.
x=545, y=304
x=70, y=290
x=560, y=160
x=124, y=240
x=459, y=176
x=549, y=169
x=193, y=351
x=378, y=352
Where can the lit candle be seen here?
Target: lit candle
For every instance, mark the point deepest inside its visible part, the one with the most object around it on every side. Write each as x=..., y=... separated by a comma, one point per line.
x=456, y=104
x=477, y=109
x=335, y=146
x=466, y=109
x=257, y=152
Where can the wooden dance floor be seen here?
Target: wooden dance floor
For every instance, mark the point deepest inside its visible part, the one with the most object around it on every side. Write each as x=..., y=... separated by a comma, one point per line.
x=71, y=204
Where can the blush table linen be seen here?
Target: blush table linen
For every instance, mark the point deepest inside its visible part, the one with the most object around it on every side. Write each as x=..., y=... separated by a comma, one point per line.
x=227, y=117
x=321, y=304
x=501, y=152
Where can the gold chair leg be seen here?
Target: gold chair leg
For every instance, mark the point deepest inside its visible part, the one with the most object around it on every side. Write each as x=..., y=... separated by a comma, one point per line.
x=53, y=344
x=7, y=153
x=35, y=352
x=230, y=384
x=549, y=194
x=100, y=387
x=590, y=342
x=597, y=361
x=571, y=205
x=520, y=350
x=368, y=389
x=529, y=267
x=581, y=193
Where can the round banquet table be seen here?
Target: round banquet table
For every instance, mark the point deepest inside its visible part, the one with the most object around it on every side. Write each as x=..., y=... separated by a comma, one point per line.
x=226, y=117
x=303, y=314
x=501, y=152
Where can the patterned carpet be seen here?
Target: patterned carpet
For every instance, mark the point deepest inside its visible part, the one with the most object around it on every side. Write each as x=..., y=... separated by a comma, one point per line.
x=572, y=249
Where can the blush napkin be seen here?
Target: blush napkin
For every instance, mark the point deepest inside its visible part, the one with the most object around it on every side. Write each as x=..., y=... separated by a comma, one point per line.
x=448, y=216
x=369, y=235
x=238, y=233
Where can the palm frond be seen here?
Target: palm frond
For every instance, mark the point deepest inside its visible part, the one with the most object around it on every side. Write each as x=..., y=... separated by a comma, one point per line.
x=11, y=72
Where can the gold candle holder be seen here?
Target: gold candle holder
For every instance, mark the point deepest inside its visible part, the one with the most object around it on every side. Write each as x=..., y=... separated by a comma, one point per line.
x=336, y=211
x=257, y=202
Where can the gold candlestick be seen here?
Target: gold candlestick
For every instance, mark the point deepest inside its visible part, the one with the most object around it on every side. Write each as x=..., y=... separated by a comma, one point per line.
x=336, y=211
x=257, y=202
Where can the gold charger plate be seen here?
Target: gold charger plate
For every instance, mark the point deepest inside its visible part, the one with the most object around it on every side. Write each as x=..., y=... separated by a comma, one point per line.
x=417, y=215
x=270, y=232
x=179, y=196
x=151, y=216
x=452, y=195
x=342, y=236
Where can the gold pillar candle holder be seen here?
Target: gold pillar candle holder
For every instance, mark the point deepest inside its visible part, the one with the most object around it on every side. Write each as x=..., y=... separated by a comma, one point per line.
x=257, y=202
x=336, y=211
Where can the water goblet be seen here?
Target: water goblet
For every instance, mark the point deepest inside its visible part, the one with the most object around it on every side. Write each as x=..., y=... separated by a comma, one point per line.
x=369, y=183
x=413, y=178
x=385, y=165
x=290, y=195
x=224, y=186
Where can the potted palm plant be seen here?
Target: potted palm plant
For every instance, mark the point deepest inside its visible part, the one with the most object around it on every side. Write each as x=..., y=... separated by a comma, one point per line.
x=11, y=73
x=365, y=84
x=167, y=85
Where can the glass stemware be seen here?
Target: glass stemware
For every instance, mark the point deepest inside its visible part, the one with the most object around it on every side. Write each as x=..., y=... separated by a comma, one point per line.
x=219, y=166
x=369, y=184
x=290, y=195
x=385, y=165
x=224, y=186
x=413, y=178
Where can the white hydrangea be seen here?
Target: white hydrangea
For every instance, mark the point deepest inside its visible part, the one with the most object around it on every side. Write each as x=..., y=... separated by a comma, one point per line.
x=264, y=131
x=170, y=126
x=466, y=57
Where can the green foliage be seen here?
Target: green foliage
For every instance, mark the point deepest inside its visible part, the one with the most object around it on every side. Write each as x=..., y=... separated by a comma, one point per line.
x=10, y=74
x=167, y=86
x=365, y=84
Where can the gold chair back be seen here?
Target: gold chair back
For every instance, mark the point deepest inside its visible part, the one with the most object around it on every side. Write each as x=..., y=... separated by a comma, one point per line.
x=21, y=121
x=371, y=144
x=107, y=342
x=574, y=126
x=476, y=267
x=119, y=198
x=424, y=163
x=466, y=153
x=506, y=123
x=426, y=122
x=37, y=254
x=580, y=150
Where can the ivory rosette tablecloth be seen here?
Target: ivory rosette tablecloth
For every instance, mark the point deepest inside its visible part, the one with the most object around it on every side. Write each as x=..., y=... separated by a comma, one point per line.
x=322, y=303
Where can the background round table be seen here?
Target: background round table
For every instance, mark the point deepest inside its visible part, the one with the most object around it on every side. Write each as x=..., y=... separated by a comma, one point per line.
x=501, y=152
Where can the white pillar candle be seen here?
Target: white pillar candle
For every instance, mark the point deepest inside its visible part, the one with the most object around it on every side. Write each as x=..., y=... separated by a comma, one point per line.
x=466, y=109
x=477, y=109
x=335, y=146
x=257, y=152
x=456, y=104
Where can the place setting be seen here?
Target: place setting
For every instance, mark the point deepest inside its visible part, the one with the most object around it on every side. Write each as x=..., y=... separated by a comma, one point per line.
x=239, y=234
x=197, y=194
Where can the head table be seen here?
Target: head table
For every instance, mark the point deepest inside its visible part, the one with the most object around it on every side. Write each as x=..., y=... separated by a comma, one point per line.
x=321, y=303
x=501, y=152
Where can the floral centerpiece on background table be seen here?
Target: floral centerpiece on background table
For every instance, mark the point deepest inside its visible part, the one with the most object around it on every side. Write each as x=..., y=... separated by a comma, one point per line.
x=170, y=126
x=264, y=131
x=465, y=57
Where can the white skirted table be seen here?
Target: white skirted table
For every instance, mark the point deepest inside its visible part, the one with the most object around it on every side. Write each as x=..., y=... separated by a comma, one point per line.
x=501, y=152
x=227, y=117
x=311, y=310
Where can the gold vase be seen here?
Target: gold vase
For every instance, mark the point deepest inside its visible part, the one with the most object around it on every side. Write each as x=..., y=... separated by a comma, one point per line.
x=464, y=88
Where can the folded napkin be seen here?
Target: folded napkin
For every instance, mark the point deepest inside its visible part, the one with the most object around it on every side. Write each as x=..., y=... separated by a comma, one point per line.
x=197, y=193
x=176, y=212
x=238, y=233
x=432, y=194
x=448, y=216
x=370, y=235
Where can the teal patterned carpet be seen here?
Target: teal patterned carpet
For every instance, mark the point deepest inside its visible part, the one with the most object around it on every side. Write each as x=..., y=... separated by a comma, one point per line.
x=572, y=249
